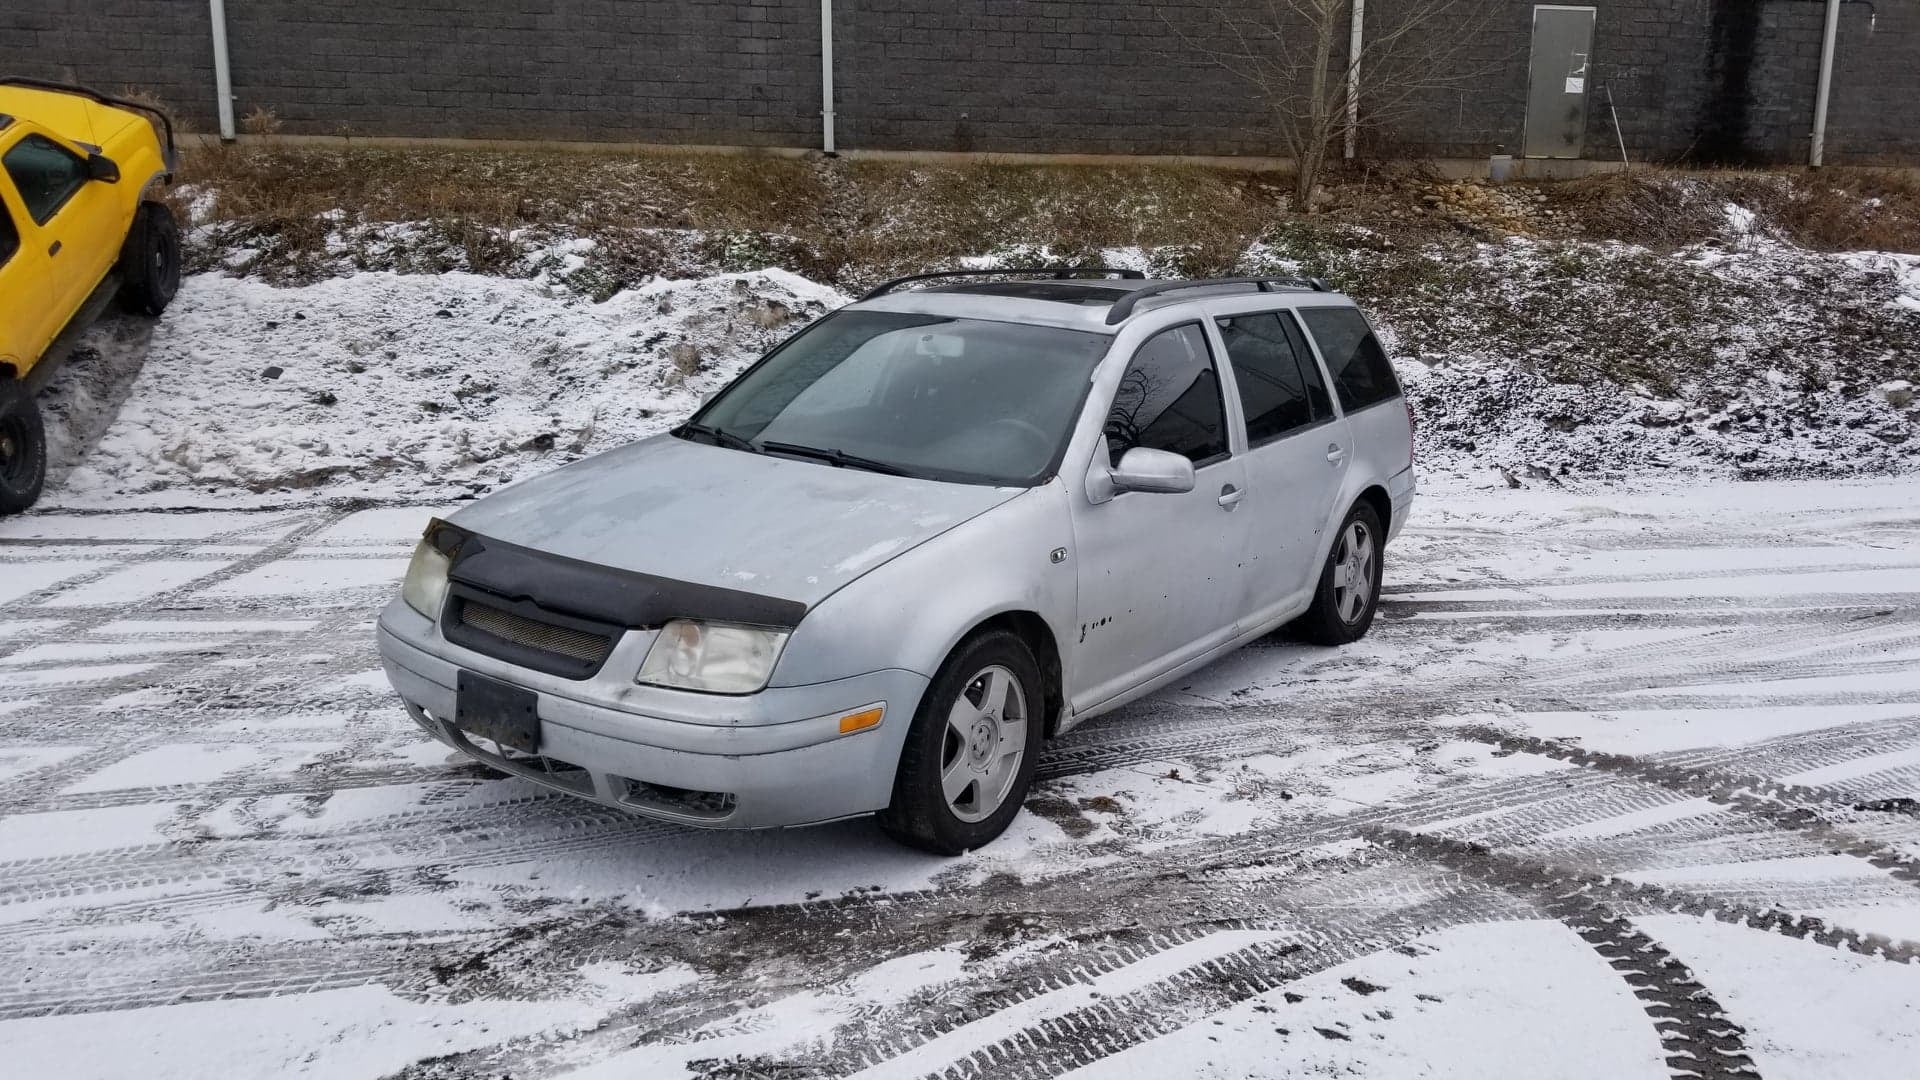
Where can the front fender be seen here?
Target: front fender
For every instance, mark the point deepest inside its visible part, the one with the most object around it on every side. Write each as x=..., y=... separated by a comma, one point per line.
x=910, y=612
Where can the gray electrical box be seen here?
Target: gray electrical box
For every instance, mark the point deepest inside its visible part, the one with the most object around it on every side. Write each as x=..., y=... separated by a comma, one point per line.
x=1559, y=81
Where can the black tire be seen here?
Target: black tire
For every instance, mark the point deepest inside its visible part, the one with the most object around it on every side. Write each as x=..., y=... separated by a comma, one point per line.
x=150, y=261
x=23, y=452
x=921, y=814
x=1333, y=620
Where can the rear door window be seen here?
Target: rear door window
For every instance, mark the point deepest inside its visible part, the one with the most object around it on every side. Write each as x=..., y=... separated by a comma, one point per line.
x=1356, y=362
x=1279, y=384
x=1169, y=399
x=45, y=173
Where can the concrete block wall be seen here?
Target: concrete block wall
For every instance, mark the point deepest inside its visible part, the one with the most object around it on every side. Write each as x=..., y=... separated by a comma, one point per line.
x=1710, y=80
x=729, y=72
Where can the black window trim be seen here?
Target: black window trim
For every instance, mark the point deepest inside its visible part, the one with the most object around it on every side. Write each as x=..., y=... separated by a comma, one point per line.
x=54, y=210
x=1219, y=389
x=19, y=240
x=1312, y=354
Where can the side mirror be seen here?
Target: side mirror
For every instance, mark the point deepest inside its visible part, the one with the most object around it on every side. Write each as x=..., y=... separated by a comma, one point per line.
x=101, y=167
x=1161, y=471
x=1145, y=470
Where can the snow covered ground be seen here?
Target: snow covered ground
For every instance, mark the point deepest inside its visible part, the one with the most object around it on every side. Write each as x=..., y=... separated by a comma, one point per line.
x=397, y=386
x=1621, y=785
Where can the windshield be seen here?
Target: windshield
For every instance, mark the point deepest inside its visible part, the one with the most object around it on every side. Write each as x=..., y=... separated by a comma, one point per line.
x=922, y=395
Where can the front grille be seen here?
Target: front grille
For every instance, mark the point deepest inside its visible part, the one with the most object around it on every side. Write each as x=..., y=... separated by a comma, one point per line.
x=529, y=633
x=524, y=633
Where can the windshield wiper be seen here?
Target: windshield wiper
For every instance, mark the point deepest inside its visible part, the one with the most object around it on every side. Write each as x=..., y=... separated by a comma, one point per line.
x=834, y=457
x=720, y=438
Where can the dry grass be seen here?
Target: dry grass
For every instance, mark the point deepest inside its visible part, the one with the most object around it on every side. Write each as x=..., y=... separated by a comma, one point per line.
x=851, y=223
x=1837, y=209
x=838, y=221
x=1652, y=209
x=1833, y=210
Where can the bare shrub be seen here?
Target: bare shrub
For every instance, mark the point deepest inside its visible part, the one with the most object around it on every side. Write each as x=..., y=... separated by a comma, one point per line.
x=1295, y=55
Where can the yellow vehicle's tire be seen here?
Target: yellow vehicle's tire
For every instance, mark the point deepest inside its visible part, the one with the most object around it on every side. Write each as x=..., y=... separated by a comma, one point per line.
x=23, y=452
x=150, y=261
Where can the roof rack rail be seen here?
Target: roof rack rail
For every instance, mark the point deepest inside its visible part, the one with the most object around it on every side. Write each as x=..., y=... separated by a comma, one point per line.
x=166, y=122
x=1057, y=273
x=1123, y=308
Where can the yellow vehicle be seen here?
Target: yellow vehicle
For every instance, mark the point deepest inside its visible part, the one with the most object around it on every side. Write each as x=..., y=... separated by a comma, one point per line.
x=81, y=223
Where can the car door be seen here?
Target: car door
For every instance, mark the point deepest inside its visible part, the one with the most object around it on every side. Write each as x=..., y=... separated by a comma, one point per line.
x=1297, y=451
x=1379, y=426
x=65, y=210
x=1159, y=575
x=26, y=286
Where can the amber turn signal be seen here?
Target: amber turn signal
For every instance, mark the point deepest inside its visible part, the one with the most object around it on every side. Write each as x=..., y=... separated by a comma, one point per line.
x=862, y=720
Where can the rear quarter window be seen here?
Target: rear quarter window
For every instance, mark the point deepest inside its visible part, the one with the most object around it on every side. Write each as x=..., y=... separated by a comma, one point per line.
x=1361, y=374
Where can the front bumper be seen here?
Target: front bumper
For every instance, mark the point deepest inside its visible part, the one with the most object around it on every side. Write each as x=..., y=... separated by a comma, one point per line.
x=768, y=759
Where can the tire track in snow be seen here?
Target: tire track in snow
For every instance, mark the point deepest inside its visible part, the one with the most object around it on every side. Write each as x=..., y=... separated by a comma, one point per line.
x=1699, y=1038
x=1788, y=806
x=1636, y=898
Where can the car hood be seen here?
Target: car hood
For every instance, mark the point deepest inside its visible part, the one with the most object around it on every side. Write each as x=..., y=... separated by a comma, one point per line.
x=68, y=115
x=796, y=530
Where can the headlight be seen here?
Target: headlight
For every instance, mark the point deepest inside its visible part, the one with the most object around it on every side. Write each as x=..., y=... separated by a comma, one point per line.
x=720, y=658
x=426, y=587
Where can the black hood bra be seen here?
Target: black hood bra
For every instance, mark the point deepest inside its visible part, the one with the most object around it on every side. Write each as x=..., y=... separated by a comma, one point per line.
x=624, y=598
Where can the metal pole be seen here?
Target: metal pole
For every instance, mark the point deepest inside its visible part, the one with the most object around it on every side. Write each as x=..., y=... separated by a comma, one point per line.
x=1355, y=42
x=1825, y=97
x=826, y=78
x=222, y=73
x=1618, y=135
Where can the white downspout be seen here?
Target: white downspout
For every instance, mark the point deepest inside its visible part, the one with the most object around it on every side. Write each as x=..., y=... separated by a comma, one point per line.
x=222, y=74
x=1825, y=97
x=1355, y=42
x=826, y=78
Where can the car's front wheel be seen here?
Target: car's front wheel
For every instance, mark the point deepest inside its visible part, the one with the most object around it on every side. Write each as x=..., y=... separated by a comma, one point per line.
x=1349, y=589
x=23, y=451
x=970, y=753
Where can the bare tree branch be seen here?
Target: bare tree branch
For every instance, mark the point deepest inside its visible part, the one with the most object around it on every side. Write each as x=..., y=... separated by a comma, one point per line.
x=1293, y=55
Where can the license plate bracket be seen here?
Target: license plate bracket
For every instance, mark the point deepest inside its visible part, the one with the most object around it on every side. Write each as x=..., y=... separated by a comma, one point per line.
x=507, y=714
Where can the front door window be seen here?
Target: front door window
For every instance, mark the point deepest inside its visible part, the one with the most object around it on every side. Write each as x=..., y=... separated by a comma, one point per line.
x=1169, y=399
x=46, y=174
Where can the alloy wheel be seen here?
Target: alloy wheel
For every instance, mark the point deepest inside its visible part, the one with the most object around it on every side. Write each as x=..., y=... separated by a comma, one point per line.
x=986, y=738
x=1353, y=569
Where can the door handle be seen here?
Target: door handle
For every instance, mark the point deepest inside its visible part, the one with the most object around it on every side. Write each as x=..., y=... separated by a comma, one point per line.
x=55, y=249
x=1230, y=496
x=1335, y=455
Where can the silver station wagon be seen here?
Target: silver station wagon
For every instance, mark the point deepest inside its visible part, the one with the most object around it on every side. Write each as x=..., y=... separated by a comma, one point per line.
x=932, y=530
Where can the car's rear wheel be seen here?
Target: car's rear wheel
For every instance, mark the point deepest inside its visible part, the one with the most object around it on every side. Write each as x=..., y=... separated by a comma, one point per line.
x=1349, y=589
x=23, y=452
x=971, y=750
x=150, y=261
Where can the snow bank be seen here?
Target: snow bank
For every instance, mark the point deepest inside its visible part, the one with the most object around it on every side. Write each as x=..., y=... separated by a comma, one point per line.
x=429, y=385
x=1525, y=362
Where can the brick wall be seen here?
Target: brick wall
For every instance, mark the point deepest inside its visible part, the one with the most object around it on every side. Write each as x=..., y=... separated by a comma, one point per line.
x=1724, y=80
